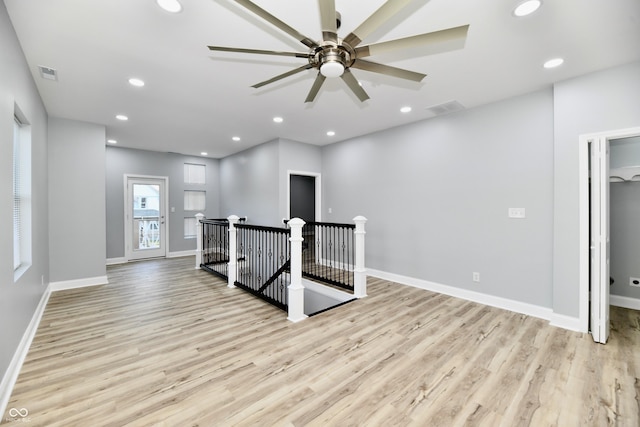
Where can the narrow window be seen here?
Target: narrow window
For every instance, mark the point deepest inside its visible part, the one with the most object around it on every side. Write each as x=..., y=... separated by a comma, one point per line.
x=21, y=195
x=190, y=227
x=194, y=200
x=194, y=174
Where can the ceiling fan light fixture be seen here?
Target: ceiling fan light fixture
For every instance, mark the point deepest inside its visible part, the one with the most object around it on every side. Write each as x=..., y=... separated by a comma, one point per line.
x=527, y=7
x=331, y=69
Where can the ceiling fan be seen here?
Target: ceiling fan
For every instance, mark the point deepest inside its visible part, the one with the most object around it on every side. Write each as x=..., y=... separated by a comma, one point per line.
x=334, y=57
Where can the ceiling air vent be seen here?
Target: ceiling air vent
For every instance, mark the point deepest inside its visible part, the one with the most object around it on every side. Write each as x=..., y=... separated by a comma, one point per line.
x=48, y=73
x=446, y=108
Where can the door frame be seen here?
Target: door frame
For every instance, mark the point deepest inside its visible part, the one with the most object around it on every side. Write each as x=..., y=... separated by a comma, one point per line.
x=128, y=250
x=318, y=191
x=584, y=216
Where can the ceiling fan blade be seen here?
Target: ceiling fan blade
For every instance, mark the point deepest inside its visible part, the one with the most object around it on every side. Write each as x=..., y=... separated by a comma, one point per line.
x=258, y=51
x=315, y=88
x=283, y=75
x=361, y=64
x=437, y=42
x=374, y=21
x=328, y=20
x=278, y=23
x=353, y=84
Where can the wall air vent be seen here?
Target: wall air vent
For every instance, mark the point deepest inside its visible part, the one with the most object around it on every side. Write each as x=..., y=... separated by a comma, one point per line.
x=445, y=108
x=48, y=73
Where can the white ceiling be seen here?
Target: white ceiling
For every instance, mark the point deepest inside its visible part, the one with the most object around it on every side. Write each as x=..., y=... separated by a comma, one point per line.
x=195, y=100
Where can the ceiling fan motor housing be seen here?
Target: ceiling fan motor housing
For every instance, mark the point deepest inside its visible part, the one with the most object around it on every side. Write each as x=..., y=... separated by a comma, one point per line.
x=329, y=52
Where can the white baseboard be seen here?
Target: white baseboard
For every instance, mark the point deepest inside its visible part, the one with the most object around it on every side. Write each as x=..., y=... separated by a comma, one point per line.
x=566, y=322
x=11, y=375
x=545, y=313
x=624, y=302
x=181, y=254
x=78, y=283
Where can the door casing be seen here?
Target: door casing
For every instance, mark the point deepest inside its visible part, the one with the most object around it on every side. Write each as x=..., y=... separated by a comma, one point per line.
x=128, y=208
x=584, y=215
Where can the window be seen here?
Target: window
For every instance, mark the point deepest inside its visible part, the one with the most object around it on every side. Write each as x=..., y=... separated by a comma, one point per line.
x=21, y=196
x=190, y=228
x=194, y=200
x=194, y=174
x=143, y=203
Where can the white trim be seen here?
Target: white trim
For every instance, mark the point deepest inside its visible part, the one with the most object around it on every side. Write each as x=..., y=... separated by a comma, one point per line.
x=128, y=251
x=583, y=239
x=78, y=283
x=181, y=254
x=318, y=191
x=584, y=218
x=493, y=301
x=566, y=322
x=11, y=375
x=625, y=302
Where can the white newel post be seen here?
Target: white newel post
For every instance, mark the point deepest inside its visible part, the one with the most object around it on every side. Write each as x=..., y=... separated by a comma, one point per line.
x=233, y=251
x=199, y=217
x=296, y=289
x=359, y=272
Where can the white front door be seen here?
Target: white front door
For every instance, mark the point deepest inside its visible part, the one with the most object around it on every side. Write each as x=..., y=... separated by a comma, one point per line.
x=145, y=225
x=599, y=239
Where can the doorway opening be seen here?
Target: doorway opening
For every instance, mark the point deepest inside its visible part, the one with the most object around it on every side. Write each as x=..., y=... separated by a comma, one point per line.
x=304, y=196
x=145, y=222
x=595, y=246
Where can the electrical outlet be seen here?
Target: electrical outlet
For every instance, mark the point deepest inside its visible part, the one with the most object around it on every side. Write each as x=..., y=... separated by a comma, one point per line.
x=634, y=281
x=517, y=213
x=476, y=277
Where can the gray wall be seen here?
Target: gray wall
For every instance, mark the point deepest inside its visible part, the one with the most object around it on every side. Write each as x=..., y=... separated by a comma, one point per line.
x=625, y=237
x=437, y=193
x=625, y=219
x=597, y=102
x=77, y=200
x=18, y=301
x=254, y=182
x=121, y=161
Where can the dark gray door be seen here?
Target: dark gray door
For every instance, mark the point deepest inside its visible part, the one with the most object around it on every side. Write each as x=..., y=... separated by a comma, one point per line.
x=302, y=197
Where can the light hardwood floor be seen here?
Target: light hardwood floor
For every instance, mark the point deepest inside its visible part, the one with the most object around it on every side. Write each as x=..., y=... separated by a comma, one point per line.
x=164, y=344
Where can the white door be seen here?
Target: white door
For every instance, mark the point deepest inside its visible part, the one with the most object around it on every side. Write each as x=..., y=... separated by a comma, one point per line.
x=145, y=225
x=599, y=239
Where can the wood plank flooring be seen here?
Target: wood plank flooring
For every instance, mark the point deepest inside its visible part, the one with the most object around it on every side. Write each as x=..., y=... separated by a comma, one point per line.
x=167, y=345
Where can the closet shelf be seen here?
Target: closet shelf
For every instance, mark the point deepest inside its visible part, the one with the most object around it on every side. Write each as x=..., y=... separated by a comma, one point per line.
x=630, y=173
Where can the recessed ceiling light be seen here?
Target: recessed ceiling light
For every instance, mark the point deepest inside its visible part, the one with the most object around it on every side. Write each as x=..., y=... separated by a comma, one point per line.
x=204, y=153
x=112, y=141
x=527, y=7
x=122, y=117
x=553, y=63
x=278, y=119
x=236, y=138
x=136, y=82
x=172, y=6
x=405, y=109
x=331, y=133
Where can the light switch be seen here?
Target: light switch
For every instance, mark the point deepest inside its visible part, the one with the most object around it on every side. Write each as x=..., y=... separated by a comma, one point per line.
x=517, y=213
